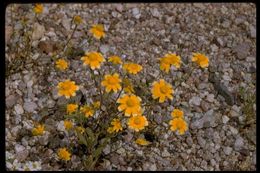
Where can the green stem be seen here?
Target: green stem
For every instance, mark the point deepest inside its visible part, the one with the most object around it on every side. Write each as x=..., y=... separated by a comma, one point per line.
x=100, y=90
x=121, y=89
x=66, y=45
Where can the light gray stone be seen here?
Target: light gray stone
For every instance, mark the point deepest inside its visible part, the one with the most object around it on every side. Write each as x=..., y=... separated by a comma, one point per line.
x=252, y=31
x=225, y=119
x=239, y=143
x=242, y=50
x=18, y=109
x=227, y=150
x=208, y=120
x=155, y=12
x=165, y=153
x=136, y=13
x=119, y=7
x=107, y=149
x=210, y=98
x=66, y=23
x=30, y=106
x=104, y=49
x=10, y=101
x=195, y=100
x=38, y=31
x=233, y=130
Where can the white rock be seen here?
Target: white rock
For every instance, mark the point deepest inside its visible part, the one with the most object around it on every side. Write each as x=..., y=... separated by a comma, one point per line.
x=252, y=32
x=119, y=7
x=18, y=148
x=107, y=149
x=225, y=119
x=195, y=101
x=60, y=126
x=233, y=130
x=139, y=152
x=251, y=59
x=165, y=153
x=239, y=143
x=66, y=24
x=30, y=83
x=38, y=31
x=155, y=12
x=136, y=13
x=18, y=109
x=104, y=49
x=129, y=169
x=30, y=106
x=153, y=167
x=227, y=150
x=210, y=98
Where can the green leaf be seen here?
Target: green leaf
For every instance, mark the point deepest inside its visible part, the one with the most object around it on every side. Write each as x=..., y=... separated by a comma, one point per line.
x=98, y=151
x=90, y=133
x=82, y=139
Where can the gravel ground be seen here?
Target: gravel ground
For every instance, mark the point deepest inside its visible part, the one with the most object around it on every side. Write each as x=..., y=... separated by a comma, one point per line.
x=222, y=130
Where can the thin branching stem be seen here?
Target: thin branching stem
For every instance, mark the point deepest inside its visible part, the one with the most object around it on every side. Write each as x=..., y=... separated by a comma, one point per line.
x=66, y=45
x=100, y=90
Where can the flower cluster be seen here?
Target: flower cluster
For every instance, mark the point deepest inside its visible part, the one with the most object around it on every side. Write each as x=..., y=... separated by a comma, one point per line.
x=178, y=123
x=112, y=82
x=116, y=126
x=38, y=8
x=168, y=60
x=67, y=88
x=38, y=130
x=64, y=154
x=162, y=90
x=129, y=108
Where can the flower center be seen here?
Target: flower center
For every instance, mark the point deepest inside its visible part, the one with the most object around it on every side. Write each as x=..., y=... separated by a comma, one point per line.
x=137, y=121
x=130, y=103
x=167, y=61
x=92, y=57
x=111, y=81
x=164, y=89
x=66, y=86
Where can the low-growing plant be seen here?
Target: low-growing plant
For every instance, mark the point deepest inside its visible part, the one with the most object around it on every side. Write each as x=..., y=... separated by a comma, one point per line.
x=122, y=100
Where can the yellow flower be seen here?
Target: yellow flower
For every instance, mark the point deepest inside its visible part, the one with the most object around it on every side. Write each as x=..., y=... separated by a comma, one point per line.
x=97, y=31
x=130, y=104
x=201, y=60
x=142, y=141
x=96, y=104
x=38, y=130
x=38, y=8
x=67, y=88
x=116, y=125
x=61, y=64
x=110, y=130
x=112, y=82
x=115, y=59
x=132, y=68
x=168, y=60
x=93, y=59
x=137, y=122
x=68, y=124
x=177, y=113
x=80, y=129
x=87, y=111
x=162, y=90
x=179, y=124
x=128, y=87
x=71, y=108
x=63, y=154
x=77, y=20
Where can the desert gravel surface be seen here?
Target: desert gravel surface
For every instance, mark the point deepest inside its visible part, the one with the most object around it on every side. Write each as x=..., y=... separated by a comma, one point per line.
x=218, y=102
